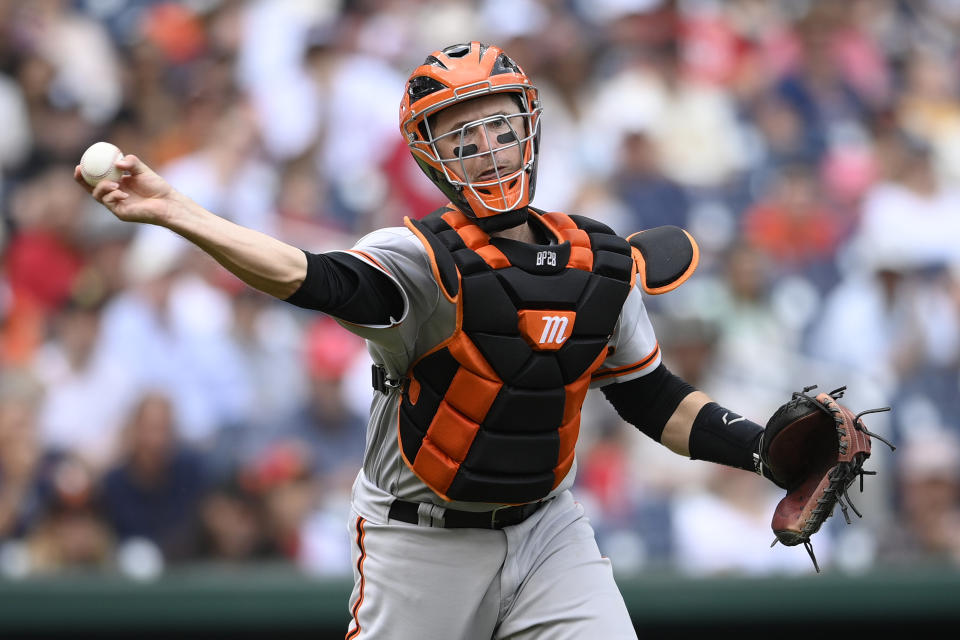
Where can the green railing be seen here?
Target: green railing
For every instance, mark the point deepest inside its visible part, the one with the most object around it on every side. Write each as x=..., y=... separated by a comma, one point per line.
x=269, y=601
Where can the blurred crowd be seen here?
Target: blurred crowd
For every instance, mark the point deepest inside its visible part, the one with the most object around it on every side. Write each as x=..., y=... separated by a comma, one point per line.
x=154, y=411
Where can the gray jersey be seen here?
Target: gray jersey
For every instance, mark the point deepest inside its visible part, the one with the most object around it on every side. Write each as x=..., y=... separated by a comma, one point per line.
x=428, y=319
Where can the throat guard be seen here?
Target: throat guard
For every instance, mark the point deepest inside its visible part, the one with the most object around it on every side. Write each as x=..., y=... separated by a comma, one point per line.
x=492, y=414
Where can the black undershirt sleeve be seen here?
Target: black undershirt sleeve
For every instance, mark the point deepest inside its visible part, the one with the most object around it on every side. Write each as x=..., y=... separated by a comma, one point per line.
x=346, y=287
x=717, y=434
x=648, y=402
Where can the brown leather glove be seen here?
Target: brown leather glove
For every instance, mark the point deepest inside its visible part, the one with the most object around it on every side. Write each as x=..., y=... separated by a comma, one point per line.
x=815, y=448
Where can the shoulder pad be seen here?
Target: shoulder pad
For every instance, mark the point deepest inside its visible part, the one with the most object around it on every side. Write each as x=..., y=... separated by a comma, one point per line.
x=590, y=225
x=434, y=220
x=665, y=256
x=444, y=268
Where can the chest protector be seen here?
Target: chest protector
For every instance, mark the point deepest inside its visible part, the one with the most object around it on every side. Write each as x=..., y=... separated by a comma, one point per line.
x=492, y=414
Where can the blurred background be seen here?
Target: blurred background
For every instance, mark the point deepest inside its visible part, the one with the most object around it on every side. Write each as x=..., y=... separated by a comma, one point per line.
x=159, y=419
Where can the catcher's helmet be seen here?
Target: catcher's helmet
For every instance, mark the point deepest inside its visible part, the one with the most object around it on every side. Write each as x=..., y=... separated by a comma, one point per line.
x=454, y=75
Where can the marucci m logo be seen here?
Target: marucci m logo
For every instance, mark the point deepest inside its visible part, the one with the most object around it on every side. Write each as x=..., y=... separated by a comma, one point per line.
x=546, y=329
x=554, y=329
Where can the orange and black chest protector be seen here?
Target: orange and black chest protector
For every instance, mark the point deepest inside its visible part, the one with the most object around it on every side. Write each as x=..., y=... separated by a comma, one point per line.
x=492, y=414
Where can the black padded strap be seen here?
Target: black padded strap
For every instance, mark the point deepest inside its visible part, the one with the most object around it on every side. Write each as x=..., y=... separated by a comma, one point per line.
x=590, y=225
x=440, y=256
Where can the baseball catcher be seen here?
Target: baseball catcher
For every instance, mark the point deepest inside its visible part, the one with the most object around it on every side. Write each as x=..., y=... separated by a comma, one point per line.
x=488, y=321
x=815, y=448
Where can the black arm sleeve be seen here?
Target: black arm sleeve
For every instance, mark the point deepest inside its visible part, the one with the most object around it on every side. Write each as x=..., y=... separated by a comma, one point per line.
x=346, y=287
x=722, y=436
x=649, y=401
x=717, y=434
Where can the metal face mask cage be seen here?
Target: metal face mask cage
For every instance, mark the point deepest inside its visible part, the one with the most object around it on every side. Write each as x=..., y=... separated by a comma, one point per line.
x=503, y=137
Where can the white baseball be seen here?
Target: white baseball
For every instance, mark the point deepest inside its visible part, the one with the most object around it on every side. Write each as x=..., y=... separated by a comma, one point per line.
x=98, y=163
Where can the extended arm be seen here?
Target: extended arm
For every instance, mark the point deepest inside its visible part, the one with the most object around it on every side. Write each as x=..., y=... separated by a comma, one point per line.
x=812, y=447
x=338, y=284
x=262, y=262
x=685, y=420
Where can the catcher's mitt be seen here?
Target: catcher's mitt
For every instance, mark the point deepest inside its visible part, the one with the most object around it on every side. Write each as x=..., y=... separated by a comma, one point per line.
x=813, y=447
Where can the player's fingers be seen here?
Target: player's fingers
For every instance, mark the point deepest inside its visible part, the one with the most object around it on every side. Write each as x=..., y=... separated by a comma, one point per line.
x=103, y=188
x=133, y=164
x=78, y=178
x=114, y=197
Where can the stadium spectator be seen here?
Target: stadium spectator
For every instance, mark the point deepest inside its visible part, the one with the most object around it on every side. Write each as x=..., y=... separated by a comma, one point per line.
x=154, y=492
x=70, y=534
x=795, y=228
x=928, y=495
x=24, y=482
x=282, y=115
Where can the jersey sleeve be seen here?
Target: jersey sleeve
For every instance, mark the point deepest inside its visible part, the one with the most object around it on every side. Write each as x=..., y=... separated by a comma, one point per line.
x=398, y=254
x=635, y=350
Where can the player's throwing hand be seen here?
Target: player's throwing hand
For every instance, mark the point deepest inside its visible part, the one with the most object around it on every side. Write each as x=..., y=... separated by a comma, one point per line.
x=140, y=196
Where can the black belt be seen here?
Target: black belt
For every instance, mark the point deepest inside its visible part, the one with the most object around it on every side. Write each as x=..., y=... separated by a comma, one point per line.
x=454, y=519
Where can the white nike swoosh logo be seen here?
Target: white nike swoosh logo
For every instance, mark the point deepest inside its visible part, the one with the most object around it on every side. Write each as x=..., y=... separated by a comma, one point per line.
x=731, y=421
